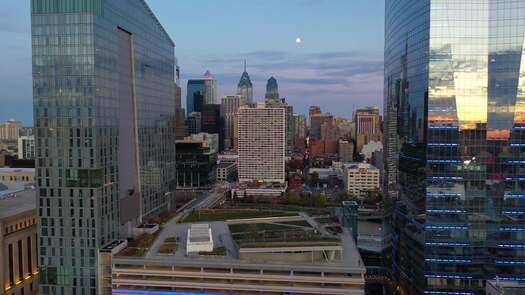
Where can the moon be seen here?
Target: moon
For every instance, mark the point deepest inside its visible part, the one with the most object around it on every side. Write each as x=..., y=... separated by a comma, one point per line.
x=298, y=40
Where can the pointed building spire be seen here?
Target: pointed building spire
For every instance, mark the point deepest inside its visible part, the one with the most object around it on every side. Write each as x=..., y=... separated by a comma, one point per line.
x=245, y=65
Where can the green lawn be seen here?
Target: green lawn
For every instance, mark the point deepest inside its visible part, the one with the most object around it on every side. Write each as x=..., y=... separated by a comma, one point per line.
x=246, y=228
x=221, y=215
x=299, y=223
x=293, y=243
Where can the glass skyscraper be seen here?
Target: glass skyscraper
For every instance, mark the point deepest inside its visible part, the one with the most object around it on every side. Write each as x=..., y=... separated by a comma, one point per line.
x=455, y=112
x=200, y=92
x=272, y=90
x=104, y=112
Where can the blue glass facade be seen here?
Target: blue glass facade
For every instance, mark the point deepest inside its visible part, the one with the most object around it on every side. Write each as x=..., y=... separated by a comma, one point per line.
x=195, y=95
x=104, y=112
x=454, y=78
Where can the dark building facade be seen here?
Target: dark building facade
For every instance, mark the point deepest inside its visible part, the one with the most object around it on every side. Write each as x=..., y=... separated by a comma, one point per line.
x=194, y=165
x=212, y=122
x=455, y=103
x=104, y=109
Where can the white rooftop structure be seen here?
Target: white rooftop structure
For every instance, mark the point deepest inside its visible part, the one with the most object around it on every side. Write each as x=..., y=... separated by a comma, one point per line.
x=199, y=238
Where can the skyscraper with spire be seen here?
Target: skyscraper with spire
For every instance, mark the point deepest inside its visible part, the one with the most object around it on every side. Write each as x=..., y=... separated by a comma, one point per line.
x=272, y=90
x=245, y=87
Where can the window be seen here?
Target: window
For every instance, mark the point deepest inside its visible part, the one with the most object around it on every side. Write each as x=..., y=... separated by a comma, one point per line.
x=11, y=271
x=29, y=257
x=20, y=261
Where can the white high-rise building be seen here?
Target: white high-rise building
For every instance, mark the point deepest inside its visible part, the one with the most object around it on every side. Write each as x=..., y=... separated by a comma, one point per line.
x=26, y=147
x=262, y=144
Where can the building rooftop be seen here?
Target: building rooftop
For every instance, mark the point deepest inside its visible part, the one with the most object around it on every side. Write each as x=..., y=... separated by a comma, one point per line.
x=14, y=170
x=225, y=164
x=359, y=166
x=17, y=202
x=232, y=237
x=8, y=188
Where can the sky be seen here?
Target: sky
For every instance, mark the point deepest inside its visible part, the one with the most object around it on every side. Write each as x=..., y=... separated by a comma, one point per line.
x=338, y=65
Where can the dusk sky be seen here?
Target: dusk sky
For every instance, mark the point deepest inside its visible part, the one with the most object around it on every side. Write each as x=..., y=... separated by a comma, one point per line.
x=338, y=65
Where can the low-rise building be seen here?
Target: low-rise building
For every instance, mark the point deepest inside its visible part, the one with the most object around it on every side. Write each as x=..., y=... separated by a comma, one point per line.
x=18, y=241
x=301, y=261
x=17, y=174
x=226, y=171
x=360, y=179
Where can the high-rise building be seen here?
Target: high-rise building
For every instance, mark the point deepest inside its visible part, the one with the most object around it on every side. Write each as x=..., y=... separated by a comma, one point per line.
x=346, y=151
x=26, y=147
x=229, y=111
x=181, y=130
x=194, y=122
x=200, y=92
x=211, y=119
x=290, y=122
x=10, y=130
x=262, y=144
x=245, y=87
x=272, y=90
x=367, y=126
x=312, y=110
x=104, y=107
x=300, y=131
x=454, y=93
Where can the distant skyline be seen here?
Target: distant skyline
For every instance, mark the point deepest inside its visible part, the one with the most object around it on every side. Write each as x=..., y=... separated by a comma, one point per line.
x=338, y=65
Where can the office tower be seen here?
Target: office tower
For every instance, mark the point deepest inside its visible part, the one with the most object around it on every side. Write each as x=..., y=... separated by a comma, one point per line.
x=181, y=130
x=229, y=112
x=300, y=131
x=454, y=70
x=211, y=118
x=289, y=121
x=104, y=110
x=316, y=123
x=322, y=139
x=245, y=87
x=211, y=122
x=262, y=144
x=346, y=151
x=196, y=157
x=200, y=92
x=18, y=240
x=345, y=128
x=26, y=147
x=272, y=90
x=10, y=130
x=367, y=126
x=194, y=122
x=312, y=110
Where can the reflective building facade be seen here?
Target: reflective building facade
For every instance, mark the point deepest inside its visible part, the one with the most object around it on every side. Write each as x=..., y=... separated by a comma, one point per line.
x=104, y=113
x=201, y=91
x=455, y=114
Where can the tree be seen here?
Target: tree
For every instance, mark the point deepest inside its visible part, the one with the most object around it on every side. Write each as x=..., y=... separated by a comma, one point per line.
x=319, y=201
x=293, y=198
x=314, y=179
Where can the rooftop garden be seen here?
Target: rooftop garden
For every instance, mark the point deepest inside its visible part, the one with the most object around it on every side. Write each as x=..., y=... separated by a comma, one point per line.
x=139, y=246
x=221, y=215
x=169, y=246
